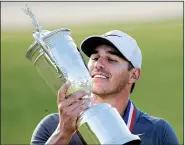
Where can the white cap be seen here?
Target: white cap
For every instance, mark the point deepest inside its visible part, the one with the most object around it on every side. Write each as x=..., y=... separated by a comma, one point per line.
x=117, y=39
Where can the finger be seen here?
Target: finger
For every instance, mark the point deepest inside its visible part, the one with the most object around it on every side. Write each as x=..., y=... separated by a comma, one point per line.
x=64, y=109
x=73, y=112
x=62, y=92
x=76, y=96
x=67, y=110
x=81, y=108
x=78, y=103
x=73, y=99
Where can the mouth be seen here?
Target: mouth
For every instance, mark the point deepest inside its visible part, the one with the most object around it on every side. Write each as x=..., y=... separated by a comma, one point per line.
x=100, y=75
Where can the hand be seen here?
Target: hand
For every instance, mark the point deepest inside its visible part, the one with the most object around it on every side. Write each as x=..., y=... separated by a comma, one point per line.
x=70, y=107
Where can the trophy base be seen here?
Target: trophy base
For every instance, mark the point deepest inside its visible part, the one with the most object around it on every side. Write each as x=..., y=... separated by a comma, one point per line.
x=102, y=124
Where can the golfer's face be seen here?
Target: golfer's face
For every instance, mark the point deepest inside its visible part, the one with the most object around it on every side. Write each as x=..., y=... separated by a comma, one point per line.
x=109, y=71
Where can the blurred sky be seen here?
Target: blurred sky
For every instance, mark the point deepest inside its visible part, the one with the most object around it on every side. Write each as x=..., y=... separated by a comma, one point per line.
x=73, y=13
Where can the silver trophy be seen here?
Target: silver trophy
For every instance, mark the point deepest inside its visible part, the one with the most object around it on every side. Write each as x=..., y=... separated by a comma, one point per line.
x=57, y=58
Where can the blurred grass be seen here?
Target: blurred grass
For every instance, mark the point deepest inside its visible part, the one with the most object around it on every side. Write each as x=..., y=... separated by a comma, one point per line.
x=26, y=98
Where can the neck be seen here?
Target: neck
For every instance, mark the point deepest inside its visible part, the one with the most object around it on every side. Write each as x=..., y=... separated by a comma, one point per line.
x=118, y=101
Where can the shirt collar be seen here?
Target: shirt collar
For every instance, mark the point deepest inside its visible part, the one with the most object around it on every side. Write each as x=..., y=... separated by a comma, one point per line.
x=131, y=115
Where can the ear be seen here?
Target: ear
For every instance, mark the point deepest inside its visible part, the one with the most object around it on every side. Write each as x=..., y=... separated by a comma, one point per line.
x=134, y=75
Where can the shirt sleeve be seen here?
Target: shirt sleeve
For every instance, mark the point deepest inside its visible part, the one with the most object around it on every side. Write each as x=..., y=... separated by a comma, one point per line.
x=44, y=129
x=166, y=134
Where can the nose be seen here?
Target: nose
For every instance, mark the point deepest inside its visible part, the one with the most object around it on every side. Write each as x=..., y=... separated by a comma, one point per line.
x=99, y=64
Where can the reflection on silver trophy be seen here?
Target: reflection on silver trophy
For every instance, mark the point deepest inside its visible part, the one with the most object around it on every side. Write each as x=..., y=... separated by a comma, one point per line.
x=57, y=58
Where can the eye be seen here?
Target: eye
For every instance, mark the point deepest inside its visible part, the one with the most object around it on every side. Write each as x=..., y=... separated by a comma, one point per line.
x=111, y=60
x=94, y=58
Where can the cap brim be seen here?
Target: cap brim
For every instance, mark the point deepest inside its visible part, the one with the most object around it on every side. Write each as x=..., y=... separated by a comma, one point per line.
x=89, y=44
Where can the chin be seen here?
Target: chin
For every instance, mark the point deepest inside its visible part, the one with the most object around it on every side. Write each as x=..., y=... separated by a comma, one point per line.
x=99, y=90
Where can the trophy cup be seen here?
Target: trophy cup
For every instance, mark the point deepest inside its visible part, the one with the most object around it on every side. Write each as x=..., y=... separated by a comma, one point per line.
x=57, y=59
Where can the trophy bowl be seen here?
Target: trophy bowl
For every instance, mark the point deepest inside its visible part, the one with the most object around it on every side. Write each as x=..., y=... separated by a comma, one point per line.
x=57, y=59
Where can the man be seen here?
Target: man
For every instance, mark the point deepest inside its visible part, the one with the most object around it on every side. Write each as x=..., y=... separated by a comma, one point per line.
x=115, y=65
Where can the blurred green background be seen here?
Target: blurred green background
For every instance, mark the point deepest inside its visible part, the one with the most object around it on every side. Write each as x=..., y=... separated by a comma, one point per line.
x=26, y=98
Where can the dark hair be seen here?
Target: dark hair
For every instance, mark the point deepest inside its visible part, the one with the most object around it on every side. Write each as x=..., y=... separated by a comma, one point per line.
x=130, y=66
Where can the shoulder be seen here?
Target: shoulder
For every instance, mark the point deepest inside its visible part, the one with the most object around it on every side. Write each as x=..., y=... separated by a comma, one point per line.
x=157, y=129
x=51, y=118
x=49, y=122
x=147, y=124
x=154, y=122
x=145, y=118
x=45, y=128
